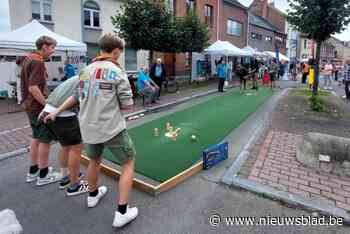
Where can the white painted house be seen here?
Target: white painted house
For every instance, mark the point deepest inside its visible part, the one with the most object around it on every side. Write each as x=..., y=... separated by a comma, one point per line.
x=80, y=20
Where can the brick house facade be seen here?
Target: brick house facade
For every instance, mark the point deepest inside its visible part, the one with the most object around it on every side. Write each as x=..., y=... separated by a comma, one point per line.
x=272, y=17
x=232, y=26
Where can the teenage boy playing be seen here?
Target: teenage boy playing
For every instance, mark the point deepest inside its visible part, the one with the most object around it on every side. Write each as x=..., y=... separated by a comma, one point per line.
x=64, y=125
x=104, y=90
x=34, y=91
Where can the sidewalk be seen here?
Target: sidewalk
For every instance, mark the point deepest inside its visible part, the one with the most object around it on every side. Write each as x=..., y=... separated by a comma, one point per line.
x=273, y=170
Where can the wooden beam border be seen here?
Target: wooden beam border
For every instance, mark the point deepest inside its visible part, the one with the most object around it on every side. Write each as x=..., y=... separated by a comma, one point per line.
x=146, y=187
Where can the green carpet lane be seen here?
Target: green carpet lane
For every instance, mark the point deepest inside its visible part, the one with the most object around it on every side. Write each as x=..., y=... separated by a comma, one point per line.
x=161, y=158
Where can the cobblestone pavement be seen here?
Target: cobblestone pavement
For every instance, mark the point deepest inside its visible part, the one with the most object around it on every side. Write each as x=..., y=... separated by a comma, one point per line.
x=278, y=167
x=273, y=162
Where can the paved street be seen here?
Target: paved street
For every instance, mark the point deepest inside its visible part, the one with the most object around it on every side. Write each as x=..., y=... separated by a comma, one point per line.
x=184, y=209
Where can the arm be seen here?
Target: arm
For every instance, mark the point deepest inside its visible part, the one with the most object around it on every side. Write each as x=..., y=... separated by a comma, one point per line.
x=124, y=93
x=66, y=105
x=36, y=78
x=37, y=94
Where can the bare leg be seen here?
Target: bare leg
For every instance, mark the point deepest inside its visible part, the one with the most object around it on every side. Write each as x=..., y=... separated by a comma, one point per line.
x=44, y=149
x=93, y=171
x=63, y=160
x=74, y=163
x=33, y=153
x=125, y=181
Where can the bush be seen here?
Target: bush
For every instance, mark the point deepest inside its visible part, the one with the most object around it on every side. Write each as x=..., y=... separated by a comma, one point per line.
x=316, y=103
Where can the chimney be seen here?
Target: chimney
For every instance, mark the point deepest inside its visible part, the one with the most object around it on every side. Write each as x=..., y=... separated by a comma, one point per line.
x=264, y=6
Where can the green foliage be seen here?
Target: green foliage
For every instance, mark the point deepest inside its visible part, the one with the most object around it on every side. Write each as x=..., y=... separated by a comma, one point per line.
x=192, y=34
x=149, y=25
x=317, y=104
x=319, y=19
x=308, y=92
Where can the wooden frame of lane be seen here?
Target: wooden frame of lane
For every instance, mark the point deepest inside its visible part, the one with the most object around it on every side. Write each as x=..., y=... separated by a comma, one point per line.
x=147, y=187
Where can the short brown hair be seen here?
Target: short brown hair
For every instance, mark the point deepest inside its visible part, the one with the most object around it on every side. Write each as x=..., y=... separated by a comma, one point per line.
x=45, y=40
x=109, y=42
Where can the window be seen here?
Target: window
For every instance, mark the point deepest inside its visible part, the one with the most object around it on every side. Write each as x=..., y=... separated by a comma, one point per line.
x=41, y=10
x=268, y=39
x=234, y=28
x=130, y=59
x=256, y=36
x=208, y=15
x=190, y=5
x=91, y=14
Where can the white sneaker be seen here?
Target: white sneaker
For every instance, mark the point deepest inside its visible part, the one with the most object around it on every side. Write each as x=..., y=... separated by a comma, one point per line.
x=93, y=201
x=51, y=177
x=121, y=219
x=32, y=177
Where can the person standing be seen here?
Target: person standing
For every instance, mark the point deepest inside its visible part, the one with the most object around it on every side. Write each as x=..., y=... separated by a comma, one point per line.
x=64, y=124
x=305, y=68
x=34, y=92
x=18, y=70
x=104, y=90
x=242, y=73
x=346, y=73
x=327, y=75
x=221, y=71
x=158, y=74
x=273, y=73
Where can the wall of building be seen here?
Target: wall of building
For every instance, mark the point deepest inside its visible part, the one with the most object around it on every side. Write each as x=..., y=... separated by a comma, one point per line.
x=66, y=15
x=261, y=45
x=20, y=13
x=237, y=14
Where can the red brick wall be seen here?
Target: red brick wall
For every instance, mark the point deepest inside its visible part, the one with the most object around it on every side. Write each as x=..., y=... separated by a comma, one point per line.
x=228, y=11
x=180, y=10
x=276, y=18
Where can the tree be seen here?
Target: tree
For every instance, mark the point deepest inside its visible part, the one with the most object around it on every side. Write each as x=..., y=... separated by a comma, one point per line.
x=192, y=34
x=149, y=25
x=319, y=19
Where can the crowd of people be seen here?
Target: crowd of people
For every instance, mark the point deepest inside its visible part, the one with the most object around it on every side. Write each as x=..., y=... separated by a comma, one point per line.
x=265, y=71
x=100, y=92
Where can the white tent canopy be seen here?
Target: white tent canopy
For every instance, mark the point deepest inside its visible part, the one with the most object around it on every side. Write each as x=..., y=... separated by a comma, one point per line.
x=24, y=38
x=253, y=51
x=281, y=56
x=225, y=48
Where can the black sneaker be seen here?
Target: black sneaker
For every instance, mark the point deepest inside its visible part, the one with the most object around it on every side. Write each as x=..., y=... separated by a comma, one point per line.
x=65, y=181
x=82, y=188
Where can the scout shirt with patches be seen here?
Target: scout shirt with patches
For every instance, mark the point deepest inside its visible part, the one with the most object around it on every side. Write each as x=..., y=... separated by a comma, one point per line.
x=103, y=87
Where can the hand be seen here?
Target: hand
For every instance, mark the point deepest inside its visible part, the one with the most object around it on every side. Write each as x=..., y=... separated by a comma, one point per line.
x=50, y=117
x=41, y=115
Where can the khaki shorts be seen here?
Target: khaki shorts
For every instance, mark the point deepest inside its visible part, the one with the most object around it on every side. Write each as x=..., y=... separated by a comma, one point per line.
x=121, y=146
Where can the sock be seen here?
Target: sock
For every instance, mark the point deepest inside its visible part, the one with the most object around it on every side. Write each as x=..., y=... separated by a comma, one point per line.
x=122, y=208
x=33, y=169
x=93, y=193
x=44, y=172
x=64, y=171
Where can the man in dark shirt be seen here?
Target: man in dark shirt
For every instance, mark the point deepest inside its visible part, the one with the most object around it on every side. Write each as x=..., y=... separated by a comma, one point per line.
x=34, y=92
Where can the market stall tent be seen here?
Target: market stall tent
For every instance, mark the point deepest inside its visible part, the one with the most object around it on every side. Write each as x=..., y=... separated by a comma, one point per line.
x=22, y=40
x=226, y=48
x=273, y=55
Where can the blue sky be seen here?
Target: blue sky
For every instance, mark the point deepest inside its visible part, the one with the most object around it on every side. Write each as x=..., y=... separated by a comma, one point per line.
x=281, y=4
